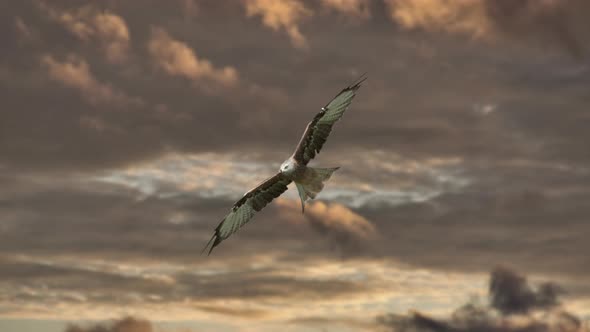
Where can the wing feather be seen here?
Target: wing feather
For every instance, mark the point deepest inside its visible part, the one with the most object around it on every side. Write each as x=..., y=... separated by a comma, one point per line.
x=244, y=209
x=317, y=131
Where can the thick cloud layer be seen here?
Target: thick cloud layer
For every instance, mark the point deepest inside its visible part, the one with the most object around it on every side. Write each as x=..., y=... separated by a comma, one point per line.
x=142, y=105
x=129, y=130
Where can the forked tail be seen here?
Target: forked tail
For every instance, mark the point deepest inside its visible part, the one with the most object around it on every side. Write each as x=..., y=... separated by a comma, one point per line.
x=312, y=182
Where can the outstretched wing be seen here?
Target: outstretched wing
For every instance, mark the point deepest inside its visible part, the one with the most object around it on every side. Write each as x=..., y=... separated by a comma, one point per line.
x=243, y=210
x=319, y=128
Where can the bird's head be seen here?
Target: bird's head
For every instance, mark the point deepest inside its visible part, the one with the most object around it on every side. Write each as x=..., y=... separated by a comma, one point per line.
x=288, y=166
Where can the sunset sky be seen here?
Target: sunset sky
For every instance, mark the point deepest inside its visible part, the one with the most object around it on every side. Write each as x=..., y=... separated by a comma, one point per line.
x=129, y=128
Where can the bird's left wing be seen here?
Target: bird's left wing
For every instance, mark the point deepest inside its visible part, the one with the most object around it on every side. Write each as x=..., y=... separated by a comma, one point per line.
x=319, y=128
x=243, y=210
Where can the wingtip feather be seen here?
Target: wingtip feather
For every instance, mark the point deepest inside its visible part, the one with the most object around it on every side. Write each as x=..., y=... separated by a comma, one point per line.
x=215, y=243
x=357, y=83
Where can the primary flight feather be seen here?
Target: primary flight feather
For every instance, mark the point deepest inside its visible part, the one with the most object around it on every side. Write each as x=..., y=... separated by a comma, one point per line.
x=309, y=180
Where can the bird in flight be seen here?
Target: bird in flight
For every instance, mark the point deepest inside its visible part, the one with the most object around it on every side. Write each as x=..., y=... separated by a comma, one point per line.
x=309, y=180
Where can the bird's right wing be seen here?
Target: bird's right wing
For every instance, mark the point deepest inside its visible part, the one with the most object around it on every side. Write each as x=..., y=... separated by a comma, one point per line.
x=319, y=128
x=244, y=209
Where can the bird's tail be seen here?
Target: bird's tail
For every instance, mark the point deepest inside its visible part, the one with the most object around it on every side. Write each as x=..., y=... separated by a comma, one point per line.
x=312, y=182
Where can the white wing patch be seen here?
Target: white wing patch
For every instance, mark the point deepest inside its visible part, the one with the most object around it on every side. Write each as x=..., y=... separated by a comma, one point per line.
x=317, y=131
x=244, y=209
x=236, y=219
x=337, y=107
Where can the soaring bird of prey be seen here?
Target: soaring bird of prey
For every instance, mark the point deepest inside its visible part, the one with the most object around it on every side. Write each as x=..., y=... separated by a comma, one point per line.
x=309, y=180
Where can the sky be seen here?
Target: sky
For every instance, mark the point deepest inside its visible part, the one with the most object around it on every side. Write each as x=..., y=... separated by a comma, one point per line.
x=129, y=129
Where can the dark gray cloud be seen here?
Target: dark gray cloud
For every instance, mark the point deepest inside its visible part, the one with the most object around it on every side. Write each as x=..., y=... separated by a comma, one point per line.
x=511, y=294
x=473, y=320
x=515, y=291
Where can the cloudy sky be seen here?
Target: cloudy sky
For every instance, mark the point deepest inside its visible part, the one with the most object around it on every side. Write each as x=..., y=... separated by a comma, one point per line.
x=129, y=128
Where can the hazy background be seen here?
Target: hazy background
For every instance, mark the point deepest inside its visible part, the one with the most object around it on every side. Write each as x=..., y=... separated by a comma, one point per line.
x=129, y=128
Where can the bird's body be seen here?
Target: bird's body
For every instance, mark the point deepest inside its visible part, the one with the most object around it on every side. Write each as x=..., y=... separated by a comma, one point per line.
x=292, y=168
x=309, y=180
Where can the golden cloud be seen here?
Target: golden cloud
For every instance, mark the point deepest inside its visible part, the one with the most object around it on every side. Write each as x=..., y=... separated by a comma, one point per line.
x=74, y=72
x=88, y=24
x=178, y=59
x=467, y=16
x=329, y=218
x=278, y=15
x=556, y=22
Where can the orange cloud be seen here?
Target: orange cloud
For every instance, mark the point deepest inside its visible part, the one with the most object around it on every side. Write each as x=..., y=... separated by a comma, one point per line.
x=448, y=15
x=75, y=73
x=178, y=59
x=278, y=15
x=557, y=22
x=88, y=24
x=329, y=218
